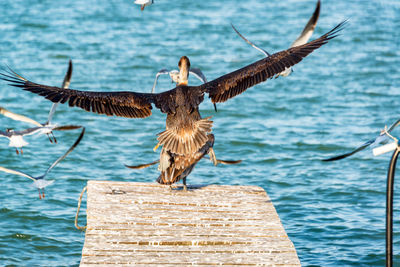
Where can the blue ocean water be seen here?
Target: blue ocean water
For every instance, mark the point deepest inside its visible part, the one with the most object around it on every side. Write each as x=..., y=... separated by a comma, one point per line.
x=337, y=98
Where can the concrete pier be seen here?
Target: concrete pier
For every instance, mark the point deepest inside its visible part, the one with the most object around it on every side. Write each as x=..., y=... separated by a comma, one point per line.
x=146, y=224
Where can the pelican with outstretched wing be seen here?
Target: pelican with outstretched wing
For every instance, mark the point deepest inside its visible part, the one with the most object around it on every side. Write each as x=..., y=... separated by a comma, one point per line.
x=47, y=127
x=302, y=39
x=40, y=182
x=186, y=132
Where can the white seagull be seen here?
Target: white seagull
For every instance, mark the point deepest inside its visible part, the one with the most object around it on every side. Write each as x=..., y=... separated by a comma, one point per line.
x=39, y=182
x=47, y=127
x=174, y=74
x=144, y=3
x=16, y=137
x=302, y=39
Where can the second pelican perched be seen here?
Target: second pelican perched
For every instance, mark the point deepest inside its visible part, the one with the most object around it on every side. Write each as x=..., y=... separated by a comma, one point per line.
x=186, y=132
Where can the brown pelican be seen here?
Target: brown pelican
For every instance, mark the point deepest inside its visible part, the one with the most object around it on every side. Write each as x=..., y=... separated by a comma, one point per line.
x=302, y=39
x=40, y=182
x=47, y=127
x=174, y=74
x=382, y=138
x=186, y=132
x=144, y=3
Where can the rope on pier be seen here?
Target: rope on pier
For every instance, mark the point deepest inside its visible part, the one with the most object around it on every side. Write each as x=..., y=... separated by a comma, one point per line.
x=77, y=211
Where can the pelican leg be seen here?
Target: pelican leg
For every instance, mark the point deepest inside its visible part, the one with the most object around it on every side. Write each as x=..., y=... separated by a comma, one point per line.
x=22, y=152
x=43, y=193
x=16, y=150
x=40, y=196
x=142, y=7
x=184, y=184
x=51, y=141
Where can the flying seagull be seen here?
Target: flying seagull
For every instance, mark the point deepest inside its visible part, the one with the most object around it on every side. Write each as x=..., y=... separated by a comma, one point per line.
x=17, y=137
x=40, y=182
x=302, y=39
x=144, y=3
x=47, y=127
x=381, y=139
x=186, y=132
x=174, y=74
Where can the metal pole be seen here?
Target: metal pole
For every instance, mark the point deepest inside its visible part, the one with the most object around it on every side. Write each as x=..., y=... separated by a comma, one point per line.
x=389, y=208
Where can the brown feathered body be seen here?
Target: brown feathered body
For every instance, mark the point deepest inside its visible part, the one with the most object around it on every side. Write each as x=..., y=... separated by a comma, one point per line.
x=186, y=138
x=174, y=167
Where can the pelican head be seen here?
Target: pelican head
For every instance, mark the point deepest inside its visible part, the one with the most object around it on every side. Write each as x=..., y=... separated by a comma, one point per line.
x=184, y=67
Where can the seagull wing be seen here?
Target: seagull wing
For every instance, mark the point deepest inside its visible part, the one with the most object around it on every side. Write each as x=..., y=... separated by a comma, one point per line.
x=65, y=85
x=362, y=147
x=18, y=117
x=198, y=74
x=66, y=153
x=228, y=162
x=123, y=104
x=394, y=125
x=250, y=43
x=28, y=131
x=309, y=28
x=66, y=127
x=142, y=166
x=236, y=82
x=17, y=173
x=163, y=71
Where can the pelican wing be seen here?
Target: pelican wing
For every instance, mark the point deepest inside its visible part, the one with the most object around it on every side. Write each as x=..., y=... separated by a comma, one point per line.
x=66, y=153
x=17, y=173
x=235, y=83
x=362, y=147
x=18, y=117
x=198, y=74
x=309, y=28
x=123, y=104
